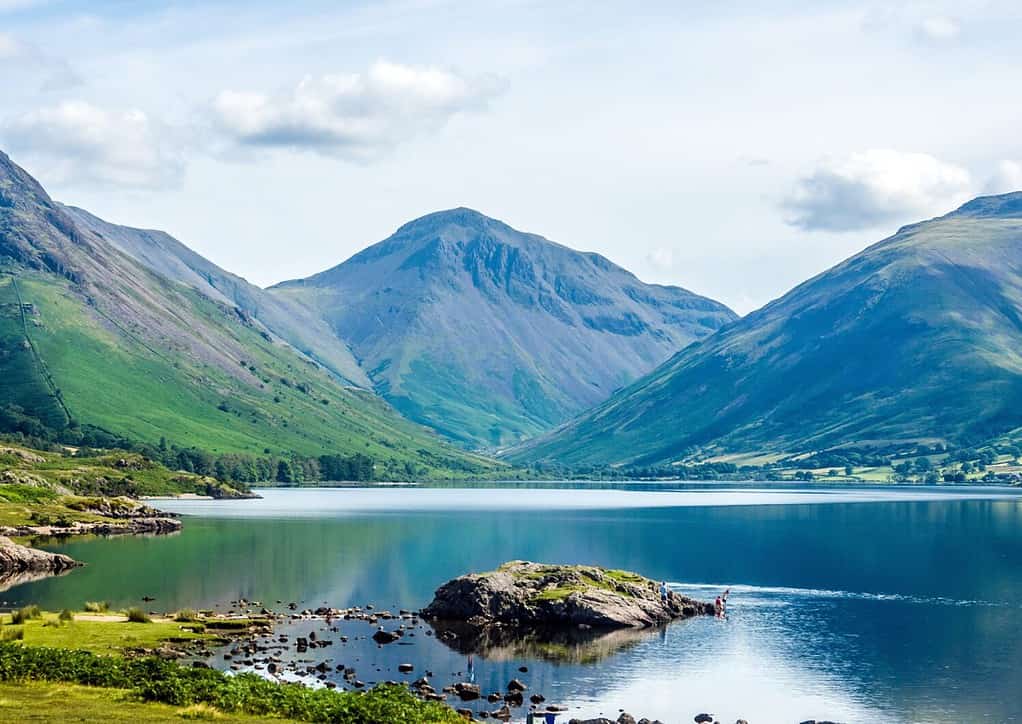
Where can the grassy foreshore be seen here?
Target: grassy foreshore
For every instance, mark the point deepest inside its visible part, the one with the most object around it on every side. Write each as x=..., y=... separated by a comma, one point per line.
x=98, y=667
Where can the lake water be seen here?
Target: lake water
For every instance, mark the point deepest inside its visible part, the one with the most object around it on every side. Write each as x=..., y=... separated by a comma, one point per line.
x=857, y=605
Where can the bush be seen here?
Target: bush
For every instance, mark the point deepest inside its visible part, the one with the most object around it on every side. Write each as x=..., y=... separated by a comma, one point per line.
x=137, y=615
x=25, y=614
x=67, y=615
x=97, y=606
x=12, y=634
x=154, y=679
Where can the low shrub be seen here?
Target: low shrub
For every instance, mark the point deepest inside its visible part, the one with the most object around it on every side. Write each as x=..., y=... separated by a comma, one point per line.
x=25, y=614
x=154, y=679
x=97, y=606
x=67, y=615
x=137, y=615
x=12, y=634
x=186, y=615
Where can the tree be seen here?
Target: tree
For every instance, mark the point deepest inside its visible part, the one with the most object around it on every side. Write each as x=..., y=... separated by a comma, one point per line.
x=284, y=473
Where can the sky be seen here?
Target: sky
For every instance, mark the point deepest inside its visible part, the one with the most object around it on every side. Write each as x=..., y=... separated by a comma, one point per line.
x=734, y=149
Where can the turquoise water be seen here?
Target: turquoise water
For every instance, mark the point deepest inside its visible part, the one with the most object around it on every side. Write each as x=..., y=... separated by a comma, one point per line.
x=851, y=604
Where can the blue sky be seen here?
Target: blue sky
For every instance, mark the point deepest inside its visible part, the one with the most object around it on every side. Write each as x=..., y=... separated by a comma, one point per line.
x=734, y=149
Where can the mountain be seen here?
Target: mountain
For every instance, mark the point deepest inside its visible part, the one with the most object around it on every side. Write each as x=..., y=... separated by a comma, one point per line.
x=89, y=335
x=488, y=334
x=917, y=338
x=168, y=257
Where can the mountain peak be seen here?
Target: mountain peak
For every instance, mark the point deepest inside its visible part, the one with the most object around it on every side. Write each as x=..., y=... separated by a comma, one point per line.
x=1000, y=206
x=461, y=216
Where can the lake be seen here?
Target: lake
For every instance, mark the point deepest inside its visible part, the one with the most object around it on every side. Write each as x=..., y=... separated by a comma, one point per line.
x=854, y=604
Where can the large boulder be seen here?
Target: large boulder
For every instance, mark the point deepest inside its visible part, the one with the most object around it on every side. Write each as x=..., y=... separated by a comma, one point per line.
x=523, y=593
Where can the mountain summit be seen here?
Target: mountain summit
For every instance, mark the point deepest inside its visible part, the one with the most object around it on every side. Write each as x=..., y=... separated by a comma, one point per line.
x=916, y=339
x=489, y=334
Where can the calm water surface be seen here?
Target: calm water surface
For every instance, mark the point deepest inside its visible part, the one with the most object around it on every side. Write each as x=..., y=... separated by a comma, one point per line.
x=856, y=604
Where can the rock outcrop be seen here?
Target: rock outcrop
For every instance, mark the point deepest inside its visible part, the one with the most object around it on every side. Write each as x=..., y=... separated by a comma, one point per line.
x=18, y=559
x=530, y=594
x=125, y=526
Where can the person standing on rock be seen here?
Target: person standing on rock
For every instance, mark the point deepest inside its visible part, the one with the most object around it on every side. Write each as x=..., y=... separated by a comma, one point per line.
x=664, y=592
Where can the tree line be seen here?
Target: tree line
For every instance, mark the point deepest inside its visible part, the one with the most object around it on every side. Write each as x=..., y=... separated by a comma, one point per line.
x=284, y=467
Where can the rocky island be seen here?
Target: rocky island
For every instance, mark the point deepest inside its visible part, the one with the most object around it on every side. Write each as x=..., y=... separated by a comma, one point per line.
x=526, y=594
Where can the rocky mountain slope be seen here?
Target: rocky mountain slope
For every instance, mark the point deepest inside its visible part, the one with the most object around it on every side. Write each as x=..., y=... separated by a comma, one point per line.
x=917, y=338
x=168, y=257
x=489, y=334
x=89, y=335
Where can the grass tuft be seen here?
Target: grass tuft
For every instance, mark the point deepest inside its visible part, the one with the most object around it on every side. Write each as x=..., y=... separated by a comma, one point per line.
x=12, y=634
x=25, y=614
x=97, y=606
x=137, y=615
x=186, y=615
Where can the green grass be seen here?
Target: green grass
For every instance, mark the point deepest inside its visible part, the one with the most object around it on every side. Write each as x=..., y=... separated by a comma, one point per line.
x=38, y=702
x=24, y=378
x=153, y=679
x=101, y=637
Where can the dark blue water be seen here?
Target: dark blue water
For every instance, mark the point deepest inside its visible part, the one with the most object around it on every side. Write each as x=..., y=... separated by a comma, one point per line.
x=855, y=605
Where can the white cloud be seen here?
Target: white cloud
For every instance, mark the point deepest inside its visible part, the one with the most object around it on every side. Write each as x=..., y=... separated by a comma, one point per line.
x=20, y=61
x=661, y=258
x=939, y=28
x=355, y=116
x=875, y=187
x=79, y=143
x=1006, y=178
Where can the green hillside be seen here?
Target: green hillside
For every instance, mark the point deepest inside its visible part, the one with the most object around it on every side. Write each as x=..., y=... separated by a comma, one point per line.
x=918, y=339
x=147, y=358
x=27, y=386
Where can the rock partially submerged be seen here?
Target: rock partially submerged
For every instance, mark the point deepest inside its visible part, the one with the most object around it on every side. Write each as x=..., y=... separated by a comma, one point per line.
x=19, y=559
x=528, y=594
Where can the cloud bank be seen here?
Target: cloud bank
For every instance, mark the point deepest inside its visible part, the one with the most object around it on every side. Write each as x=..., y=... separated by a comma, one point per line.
x=354, y=116
x=875, y=187
x=77, y=142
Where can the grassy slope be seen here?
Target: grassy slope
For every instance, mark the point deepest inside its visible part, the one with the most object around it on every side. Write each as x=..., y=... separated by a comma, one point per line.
x=114, y=380
x=24, y=379
x=918, y=338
